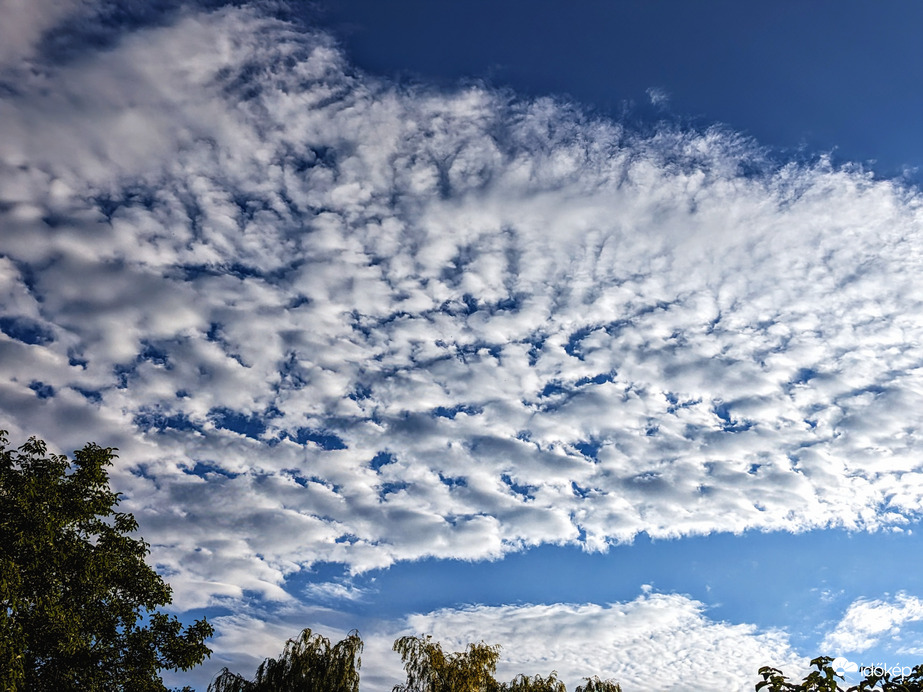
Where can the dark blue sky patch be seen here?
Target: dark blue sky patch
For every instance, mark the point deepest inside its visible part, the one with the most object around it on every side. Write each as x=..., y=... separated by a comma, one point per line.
x=451, y=412
x=523, y=491
x=616, y=327
x=204, y=469
x=552, y=388
x=381, y=459
x=322, y=438
x=26, y=330
x=676, y=404
x=589, y=449
x=249, y=207
x=579, y=491
x=317, y=155
x=453, y=482
x=757, y=91
x=601, y=378
x=42, y=390
x=307, y=158
x=537, y=343
x=296, y=476
x=251, y=425
x=92, y=395
x=723, y=412
x=191, y=272
x=107, y=205
x=243, y=271
x=466, y=305
x=729, y=422
x=467, y=352
x=360, y=392
x=511, y=303
x=154, y=354
x=28, y=272
x=298, y=301
x=105, y=24
x=456, y=308
x=390, y=487
x=132, y=195
x=123, y=373
x=572, y=347
x=291, y=374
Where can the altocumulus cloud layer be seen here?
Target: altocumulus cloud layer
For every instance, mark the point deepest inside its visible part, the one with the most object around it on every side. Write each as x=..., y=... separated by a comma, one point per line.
x=655, y=642
x=328, y=318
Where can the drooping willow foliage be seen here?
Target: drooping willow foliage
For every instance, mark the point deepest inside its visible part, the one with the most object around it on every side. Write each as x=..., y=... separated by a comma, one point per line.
x=594, y=684
x=430, y=669
x=311, y=664
x=308, y=664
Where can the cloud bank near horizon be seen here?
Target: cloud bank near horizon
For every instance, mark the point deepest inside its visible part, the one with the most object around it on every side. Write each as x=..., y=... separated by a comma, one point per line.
x=330, y=318
x=656, y=642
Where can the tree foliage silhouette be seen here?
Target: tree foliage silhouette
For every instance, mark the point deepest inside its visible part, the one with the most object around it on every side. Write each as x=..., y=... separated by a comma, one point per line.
x=430, y=669
x=307, y=664
x=534, y=683
x=594, y=684
x=79, y=604
x=826, y=679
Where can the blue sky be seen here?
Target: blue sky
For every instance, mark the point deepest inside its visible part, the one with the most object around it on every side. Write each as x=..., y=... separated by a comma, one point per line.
x=593, y=333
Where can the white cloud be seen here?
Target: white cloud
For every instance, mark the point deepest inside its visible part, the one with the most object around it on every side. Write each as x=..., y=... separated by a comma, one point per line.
x=659, y=96
x=657, y=642
x=654, y=643
x=867, y=622
x=325, y=317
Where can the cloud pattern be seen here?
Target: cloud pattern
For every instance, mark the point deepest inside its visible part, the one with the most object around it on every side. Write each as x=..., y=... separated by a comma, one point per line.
x=654, y=643
x=867, y=621
x=326, y=317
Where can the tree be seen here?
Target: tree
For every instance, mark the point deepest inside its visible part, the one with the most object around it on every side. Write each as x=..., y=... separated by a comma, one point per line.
x=535, y=683
x=825, y=679
x=594, y=684
x=79, y=603
x=307, y=664
x=430, y=669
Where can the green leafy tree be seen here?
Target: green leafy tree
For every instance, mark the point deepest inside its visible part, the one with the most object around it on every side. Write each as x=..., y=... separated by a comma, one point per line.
x=535, y=683
x=430, y=669
x=79, y=603
x=825, y=679
x=307, y=664
x=594, y=684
